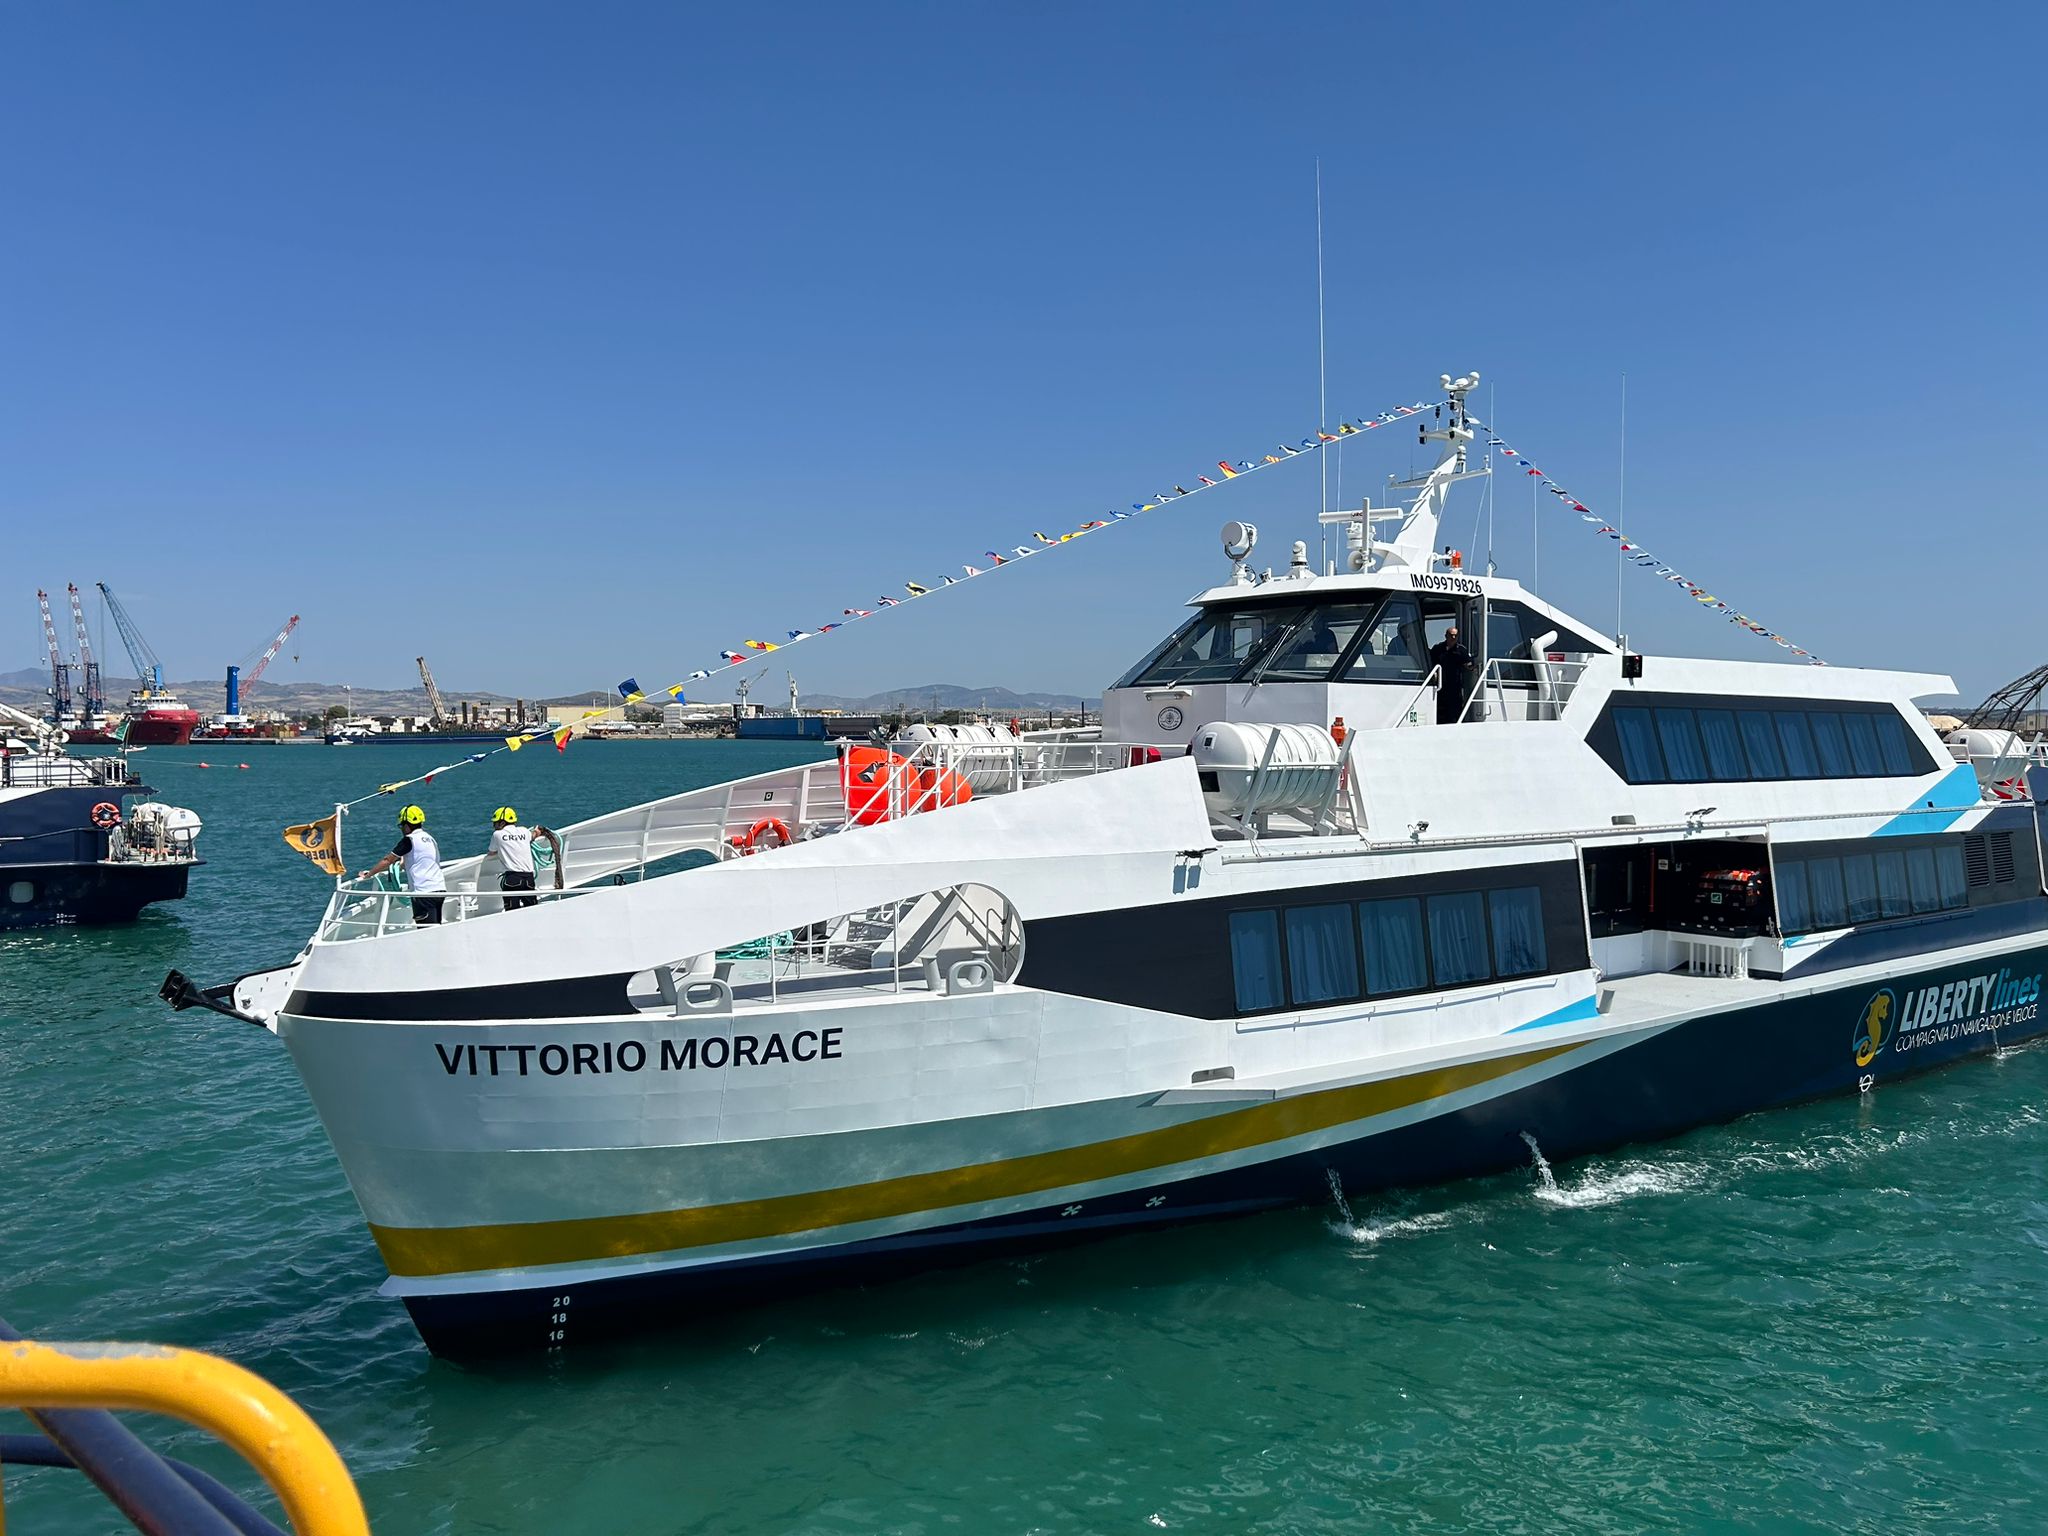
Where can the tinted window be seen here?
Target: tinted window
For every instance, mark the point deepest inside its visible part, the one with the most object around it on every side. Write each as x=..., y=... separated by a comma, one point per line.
x=1859, y=881
x=1311, y=653
x=1517, y=930
x=1864, y=751
x=1395, y=960
x=1641, y=761
x=1255, y=960
x=1504, y=638
x=1948, y=876
x=1322, y=956
x=1795, y=912
x=1824, y=892
x=1800, y=759
x=1392, y=649
x=1723, y=741
x=1922, y=879
x=1760, y=738
x=1680, y=738
x=1895, y=743
x=1212, y=646
x=1457, y=938
x=1894, y=895
x=1831, y=744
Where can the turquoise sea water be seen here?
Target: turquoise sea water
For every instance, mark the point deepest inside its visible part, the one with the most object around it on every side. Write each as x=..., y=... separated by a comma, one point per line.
x=1826, y=1318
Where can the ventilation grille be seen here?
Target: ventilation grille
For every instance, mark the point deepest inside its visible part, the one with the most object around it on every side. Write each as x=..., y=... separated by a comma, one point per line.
x=2001, y=857
x=1976, y=862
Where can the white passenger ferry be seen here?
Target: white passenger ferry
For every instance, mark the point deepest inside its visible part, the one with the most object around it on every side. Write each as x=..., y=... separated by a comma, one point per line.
x=986, y=990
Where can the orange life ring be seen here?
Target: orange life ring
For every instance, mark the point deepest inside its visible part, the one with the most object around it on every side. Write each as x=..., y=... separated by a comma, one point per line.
x=767, y=824
x=106, y=815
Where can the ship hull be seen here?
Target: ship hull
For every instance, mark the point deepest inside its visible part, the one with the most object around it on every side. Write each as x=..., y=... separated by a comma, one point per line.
x=167, y=728
x=85, y=895
x=626, y=1245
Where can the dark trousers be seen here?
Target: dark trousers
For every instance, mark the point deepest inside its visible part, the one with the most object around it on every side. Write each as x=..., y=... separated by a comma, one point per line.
x=426, y=910
x=511, y=880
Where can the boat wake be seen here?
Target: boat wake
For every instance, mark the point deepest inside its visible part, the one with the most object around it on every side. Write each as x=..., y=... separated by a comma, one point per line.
x=1378, y=1228
x=1606, y=1186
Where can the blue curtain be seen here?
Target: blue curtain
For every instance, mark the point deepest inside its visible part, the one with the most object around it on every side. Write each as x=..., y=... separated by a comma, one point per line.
x=1395, y=960
x=1859, y=878
x=1457, y=938
x=1795, y=913
x=1681, y=739
x=1949, y=876
x=1322, y=955
x=1641, y=761
x=1760, y=736
x=1832, y=744
x=1724, y=745
x=1255, y=960
x=1824, y=889
x=1517, y=931
x=1921, y=875
x=1893, y=892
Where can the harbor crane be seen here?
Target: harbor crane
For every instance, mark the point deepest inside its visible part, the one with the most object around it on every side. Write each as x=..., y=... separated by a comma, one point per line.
x=2004, y=710
x=440, y=711
x=149, y=671
x=60, y=673
x=92, y=695
x=236, y=681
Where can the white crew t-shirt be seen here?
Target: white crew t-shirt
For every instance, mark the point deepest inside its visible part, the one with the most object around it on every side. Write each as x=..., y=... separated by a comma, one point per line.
x=422, y=857
x=513, y=848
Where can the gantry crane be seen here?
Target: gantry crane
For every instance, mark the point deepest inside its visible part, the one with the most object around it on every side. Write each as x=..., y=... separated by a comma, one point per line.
x=60, y=673
x=92, y=697
x=149, y=671
x=440, y=712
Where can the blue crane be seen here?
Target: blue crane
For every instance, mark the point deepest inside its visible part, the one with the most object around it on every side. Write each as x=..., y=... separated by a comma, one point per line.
x=148, y=669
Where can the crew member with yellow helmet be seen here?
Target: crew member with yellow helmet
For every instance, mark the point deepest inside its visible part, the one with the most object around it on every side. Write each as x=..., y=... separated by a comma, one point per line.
x=512, y=847
x=422, y=857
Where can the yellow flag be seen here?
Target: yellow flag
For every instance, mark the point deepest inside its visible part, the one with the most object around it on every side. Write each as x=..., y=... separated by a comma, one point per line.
x=319, y=841
x=515, y=742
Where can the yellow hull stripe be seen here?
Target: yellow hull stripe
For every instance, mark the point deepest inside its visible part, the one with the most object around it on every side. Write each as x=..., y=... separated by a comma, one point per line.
x=521, y=1245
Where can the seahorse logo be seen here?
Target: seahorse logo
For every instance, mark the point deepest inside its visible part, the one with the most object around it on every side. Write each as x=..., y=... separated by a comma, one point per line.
x=1876, y=1027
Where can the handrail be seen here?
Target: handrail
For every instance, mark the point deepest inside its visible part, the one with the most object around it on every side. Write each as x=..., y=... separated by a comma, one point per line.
x=50, y=1382
x=1435, y=675
x=1545, y=676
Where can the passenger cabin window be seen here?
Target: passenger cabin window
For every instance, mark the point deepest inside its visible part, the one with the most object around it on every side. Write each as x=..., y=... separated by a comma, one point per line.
x=1842, y=885
x=1649, y=739
x=1326, y=952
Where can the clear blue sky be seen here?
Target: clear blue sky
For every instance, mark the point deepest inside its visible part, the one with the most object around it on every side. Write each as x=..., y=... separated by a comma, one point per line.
x=570, y=341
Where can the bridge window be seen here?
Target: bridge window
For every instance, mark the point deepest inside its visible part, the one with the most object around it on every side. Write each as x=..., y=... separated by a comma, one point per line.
x=1392, y=650
x=1214, y=645
x=1317, y=644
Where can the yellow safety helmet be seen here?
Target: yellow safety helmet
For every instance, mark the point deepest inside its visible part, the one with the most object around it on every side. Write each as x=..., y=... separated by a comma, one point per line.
x=504, y=815
x=412, y=816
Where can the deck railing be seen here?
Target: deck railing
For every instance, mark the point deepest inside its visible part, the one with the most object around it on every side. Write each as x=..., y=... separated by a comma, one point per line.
x=66, y=1390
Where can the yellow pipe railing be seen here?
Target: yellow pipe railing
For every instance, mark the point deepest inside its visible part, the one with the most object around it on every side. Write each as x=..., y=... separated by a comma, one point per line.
x=270, y=1431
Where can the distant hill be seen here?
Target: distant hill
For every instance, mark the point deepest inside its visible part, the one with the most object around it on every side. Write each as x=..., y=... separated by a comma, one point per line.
x=26, y=689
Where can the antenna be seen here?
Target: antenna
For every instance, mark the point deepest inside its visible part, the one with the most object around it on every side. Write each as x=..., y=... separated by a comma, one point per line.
x=1322, y=377
x=1621, y=507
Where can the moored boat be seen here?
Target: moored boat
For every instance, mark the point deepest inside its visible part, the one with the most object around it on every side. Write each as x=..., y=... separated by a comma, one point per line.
x=985, y=989
x=72, y=851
